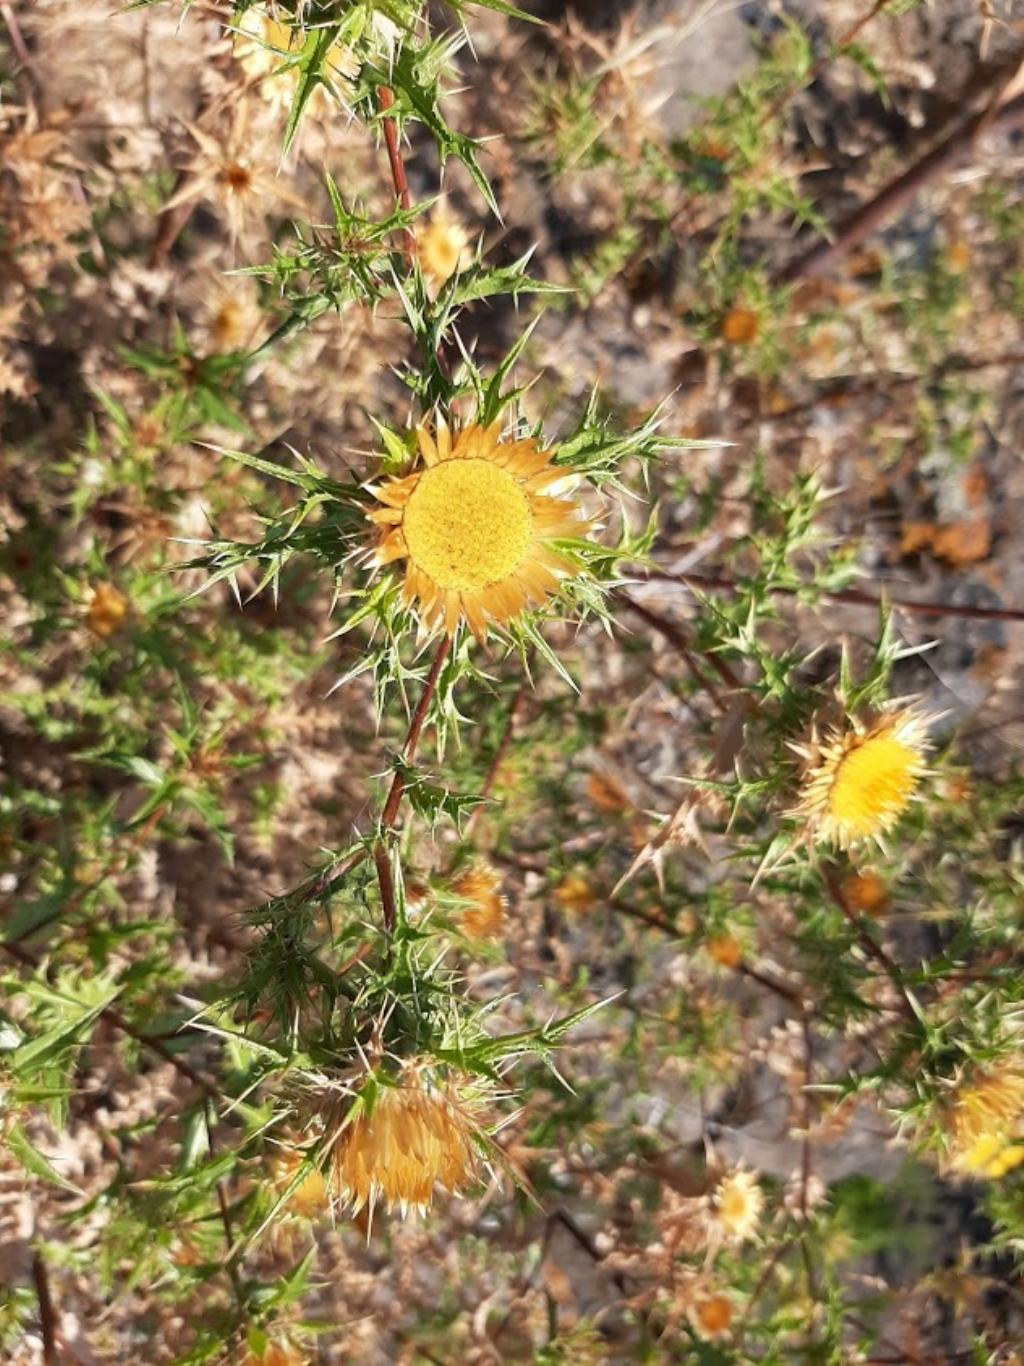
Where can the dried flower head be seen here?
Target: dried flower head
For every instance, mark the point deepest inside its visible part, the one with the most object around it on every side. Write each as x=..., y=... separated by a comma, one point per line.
x=441, y=247
x=726, y=950
x=230, y=171
x=740, y=326
x=474, y=525
x=861, y=777
x=867, y=892
x=982, y=1119
x=737, y=1205
x=416, y=1135
x=105, y=610
x=484, y=917
x=712, y=1316
x=574, y=893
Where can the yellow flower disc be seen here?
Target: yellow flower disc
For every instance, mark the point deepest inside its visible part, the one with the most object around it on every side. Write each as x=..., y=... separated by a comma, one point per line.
x=877, y=777
x=860, y=778
x=474, y=521
x=468, y=524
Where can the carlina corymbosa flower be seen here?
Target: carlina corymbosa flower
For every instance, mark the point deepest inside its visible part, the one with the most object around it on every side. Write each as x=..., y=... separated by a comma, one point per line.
x=861, y=776
x=484, y=916
x=737, y=1204
x=417, y=1134
x=983, y=1117
x=474, y=523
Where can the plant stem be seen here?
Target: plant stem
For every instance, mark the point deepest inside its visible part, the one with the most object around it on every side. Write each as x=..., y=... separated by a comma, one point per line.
x=47, y=1318
x=385, y=102
x=869, y=944
x=381, y=856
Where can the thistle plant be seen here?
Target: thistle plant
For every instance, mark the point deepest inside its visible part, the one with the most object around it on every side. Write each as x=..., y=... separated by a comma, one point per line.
x=650, y=939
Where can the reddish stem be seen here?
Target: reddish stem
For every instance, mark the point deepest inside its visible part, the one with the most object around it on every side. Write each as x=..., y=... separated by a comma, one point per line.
x=850, y=595
x=386, y=100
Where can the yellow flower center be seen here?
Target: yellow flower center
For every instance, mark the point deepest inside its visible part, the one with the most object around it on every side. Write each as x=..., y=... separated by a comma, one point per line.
x=467, y=524
x=874, y=779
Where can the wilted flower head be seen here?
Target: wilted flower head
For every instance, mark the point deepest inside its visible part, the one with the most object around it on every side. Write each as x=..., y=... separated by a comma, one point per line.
x=105, y=609
x=737, y=1205
x=860, y=778
x=981, y=1119
x=866, y=892
x=574, y=893
x=484, y=917
x=441, y=248
x=712, y=1316
x=474, y=525
x=415, y=1135
x=726, y=950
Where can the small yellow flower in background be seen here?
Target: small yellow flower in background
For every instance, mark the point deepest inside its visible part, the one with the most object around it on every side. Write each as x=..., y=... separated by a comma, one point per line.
x=442, y=247
x=473, y=524
x=574, y=893
x=419, y=1135
x=866, y=892
x=105, y=609
x=712, y=1316
x=726, y=950
x=983, y=1118
x=263, y=45
x=737, y=1205
x=310, y=1197
x=484, y=917
x=740, y=326
x=860, y=778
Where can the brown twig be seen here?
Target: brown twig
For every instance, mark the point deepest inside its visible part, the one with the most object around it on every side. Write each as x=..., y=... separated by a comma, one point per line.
x=381, y=856
x=677, y=637
x=869, y=944
x=21, y=51
x=498, y=757
x=47, y=1318
x=853, y=596
x=950, y=153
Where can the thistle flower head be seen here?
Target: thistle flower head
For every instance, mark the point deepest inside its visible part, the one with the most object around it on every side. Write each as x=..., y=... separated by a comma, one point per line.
x=981, y=1119
x=737, y=1205
x=484, y=916
x=860, y=778
x=416, y=1135
x=474, y=524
